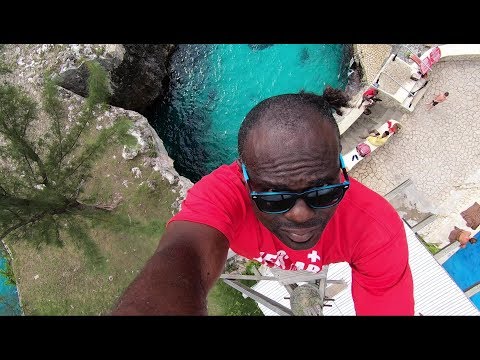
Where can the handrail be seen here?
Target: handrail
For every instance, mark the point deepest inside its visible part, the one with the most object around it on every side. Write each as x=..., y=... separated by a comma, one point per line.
x=472, y=290
x=259, y=298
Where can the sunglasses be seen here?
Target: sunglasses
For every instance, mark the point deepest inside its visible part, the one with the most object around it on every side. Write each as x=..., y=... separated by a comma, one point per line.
x=278, y=202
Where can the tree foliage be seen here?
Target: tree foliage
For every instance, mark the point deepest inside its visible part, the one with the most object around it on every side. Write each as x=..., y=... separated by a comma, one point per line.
x=41, y=179
x=4, y=69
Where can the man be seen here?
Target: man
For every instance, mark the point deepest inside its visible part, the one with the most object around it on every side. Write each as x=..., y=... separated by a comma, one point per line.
x=462, y=236
x=437, y=100
x=288, y=202
x=377, y=139
x=369, y=96
x=393, y=128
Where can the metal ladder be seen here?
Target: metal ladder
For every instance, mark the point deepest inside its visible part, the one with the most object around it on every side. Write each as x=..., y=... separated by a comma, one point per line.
x=307, y=299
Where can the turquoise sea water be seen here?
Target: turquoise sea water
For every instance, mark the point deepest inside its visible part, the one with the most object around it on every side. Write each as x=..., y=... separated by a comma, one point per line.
x=464, y=267
x=213, y=86
x=9, y=303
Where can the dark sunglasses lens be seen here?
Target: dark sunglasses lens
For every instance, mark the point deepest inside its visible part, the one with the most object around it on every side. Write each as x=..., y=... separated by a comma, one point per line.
x=324, y=198
x=274, y=203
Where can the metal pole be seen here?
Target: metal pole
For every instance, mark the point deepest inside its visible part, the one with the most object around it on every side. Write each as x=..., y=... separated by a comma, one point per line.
x=259, y=298
x=247, y=277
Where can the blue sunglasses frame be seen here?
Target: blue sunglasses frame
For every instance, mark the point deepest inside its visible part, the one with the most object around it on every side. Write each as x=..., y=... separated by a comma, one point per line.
x=294, y=196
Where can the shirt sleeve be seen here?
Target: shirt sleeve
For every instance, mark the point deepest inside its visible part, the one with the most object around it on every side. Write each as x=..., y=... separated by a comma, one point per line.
x=217, y=201
x=382, y=282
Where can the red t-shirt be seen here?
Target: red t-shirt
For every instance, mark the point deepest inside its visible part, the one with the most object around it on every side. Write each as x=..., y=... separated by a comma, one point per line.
x=370, y=93
x=364, y=231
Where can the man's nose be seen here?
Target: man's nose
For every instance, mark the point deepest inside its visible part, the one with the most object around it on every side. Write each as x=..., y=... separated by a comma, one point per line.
x=300, y=212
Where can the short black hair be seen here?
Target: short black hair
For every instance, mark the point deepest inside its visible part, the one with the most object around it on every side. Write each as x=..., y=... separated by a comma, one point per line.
x=331, y=100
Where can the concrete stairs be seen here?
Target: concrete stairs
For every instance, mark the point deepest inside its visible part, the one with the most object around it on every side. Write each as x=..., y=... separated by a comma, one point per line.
x=411, y=103
x=419, y=88
x=360, y=128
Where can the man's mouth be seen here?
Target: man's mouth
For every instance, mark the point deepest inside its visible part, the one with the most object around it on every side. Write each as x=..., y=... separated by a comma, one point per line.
x=299, y=235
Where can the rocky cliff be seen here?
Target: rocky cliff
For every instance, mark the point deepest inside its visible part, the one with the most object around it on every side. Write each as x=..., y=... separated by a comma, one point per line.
x=136, y=73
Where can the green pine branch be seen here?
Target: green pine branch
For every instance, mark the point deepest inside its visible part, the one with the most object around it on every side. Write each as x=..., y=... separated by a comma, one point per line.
x=41, y=181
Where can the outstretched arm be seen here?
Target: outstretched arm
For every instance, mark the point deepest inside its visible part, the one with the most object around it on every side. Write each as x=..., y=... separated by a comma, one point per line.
x=178, y=277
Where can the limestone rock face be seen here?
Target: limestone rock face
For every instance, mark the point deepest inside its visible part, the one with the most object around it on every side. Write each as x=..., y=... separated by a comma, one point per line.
x=29, y=64
x=137, y=73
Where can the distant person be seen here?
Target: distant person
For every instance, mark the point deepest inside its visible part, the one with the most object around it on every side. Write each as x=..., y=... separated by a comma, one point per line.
x=462, y=236
x=369, y=96
x=377, y=139
x=419, y=62
x=437, y=100
x=393, y=128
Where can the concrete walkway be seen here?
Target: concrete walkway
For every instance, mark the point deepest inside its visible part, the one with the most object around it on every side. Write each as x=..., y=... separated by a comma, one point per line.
x=437, y=149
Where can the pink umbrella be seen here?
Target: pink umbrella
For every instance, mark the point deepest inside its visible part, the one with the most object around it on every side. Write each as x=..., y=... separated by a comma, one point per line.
x=435, y=55
x=431, y=59
x=425, y=65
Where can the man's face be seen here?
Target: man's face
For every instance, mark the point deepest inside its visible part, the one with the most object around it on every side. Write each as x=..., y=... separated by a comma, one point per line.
x=294, y=161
